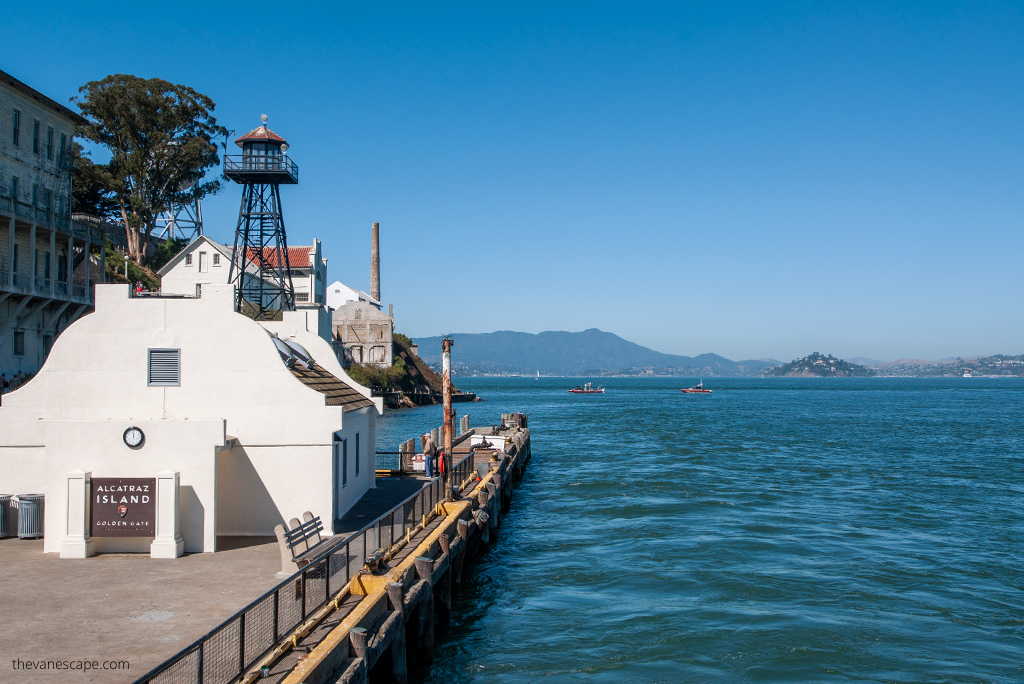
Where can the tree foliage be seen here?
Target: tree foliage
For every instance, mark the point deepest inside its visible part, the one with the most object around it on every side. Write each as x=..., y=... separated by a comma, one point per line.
x=93, y=188
x=161, y=140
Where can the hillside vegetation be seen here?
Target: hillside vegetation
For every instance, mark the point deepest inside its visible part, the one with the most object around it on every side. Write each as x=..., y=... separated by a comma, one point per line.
x=820, y=366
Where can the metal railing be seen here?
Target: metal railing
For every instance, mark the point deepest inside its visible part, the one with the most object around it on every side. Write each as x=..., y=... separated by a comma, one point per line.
x=225, y=654
x=270, y=163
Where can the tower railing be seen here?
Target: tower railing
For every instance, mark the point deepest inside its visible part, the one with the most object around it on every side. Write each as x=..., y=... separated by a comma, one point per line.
x=242, y=166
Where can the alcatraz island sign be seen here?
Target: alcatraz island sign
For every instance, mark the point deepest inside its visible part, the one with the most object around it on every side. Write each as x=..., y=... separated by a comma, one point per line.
x=123, y=507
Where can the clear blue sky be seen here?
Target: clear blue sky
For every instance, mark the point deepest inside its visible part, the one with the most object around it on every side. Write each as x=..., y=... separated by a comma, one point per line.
x=754, y=180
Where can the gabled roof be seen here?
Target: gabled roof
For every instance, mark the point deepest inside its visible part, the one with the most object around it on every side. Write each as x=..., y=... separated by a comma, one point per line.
x=223, y=249
x=260, y=133
x=298, y=257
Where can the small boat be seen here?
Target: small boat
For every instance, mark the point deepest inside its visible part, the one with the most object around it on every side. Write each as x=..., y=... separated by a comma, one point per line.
x=587, y=389
x=696, y=389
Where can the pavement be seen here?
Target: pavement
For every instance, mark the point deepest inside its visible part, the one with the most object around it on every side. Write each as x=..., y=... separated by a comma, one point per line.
x=119, y=607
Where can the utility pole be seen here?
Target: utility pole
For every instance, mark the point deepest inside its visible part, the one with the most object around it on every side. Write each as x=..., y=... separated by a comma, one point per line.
x=446, y=389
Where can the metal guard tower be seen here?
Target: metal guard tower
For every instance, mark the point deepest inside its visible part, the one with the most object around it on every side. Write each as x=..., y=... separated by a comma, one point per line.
x=260, y=269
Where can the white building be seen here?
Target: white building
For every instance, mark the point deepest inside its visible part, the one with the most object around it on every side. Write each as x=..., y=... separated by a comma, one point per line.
x=257, y=437
x=204, y=261
x=339, y=294
x=47, y=263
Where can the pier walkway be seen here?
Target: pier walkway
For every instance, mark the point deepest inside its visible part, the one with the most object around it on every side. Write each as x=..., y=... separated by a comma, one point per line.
x=120, y=607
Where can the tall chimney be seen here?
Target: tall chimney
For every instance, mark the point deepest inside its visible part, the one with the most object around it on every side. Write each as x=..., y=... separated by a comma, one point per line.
x=375, y=263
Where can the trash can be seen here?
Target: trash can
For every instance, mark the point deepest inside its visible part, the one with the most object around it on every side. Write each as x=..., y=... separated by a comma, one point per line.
x=6, y=528
x=30, y=516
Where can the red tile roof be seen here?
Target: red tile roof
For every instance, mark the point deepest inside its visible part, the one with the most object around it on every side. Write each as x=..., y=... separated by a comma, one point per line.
x=298, y=257
x=260, y=133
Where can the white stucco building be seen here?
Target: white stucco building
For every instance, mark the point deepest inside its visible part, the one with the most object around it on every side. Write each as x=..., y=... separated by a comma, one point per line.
x=259, y=419
x=205, y=261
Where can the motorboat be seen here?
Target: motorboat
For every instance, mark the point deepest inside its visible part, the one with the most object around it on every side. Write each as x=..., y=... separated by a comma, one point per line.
x=587, y=389
x=696, y=389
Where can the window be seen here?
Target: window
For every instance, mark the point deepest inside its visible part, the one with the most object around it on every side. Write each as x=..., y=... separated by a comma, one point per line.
x=46, y=265
x=188, y=259
x=164, y=367
x=19, y=342
x=344, y=462
x=35, y=137
x=48, y=198
x=49, y=144
x=14, y=259
x=216, y=259
x=14, y=187
x=47, y=344
x=199, y=289
x=35, y=195
x=357, y=453
x=63, y=145
x=16, y=137
x=302, y=296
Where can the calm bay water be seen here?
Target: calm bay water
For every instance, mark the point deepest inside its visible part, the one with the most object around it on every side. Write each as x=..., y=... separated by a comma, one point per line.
x=775, y=530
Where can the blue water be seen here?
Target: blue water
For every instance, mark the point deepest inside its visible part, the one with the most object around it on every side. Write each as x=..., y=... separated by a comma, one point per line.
x=791, y=530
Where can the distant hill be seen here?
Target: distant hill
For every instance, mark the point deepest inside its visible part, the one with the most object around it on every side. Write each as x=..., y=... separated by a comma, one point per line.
x=591, y=352
x=820, y=366
x=998, y=365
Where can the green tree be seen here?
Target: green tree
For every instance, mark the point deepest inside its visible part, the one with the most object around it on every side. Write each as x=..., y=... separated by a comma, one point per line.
x=92, y=186
x=161, y=140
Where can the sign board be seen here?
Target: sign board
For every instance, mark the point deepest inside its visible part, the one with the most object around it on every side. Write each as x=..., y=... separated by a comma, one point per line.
x=417, y=463
x=123, y=507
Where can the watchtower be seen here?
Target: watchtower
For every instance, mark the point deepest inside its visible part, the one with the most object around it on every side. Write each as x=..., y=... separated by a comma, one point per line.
x=260, y=269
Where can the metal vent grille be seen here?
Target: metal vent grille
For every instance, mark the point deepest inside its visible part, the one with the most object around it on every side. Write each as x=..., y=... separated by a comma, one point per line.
x=164, y=367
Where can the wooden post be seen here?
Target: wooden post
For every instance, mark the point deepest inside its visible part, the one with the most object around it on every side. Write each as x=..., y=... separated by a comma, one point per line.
x=446, y=387
x=359, y=639
x=396, y=593
x=444, y=592
x=457, y=562
x=399, y=658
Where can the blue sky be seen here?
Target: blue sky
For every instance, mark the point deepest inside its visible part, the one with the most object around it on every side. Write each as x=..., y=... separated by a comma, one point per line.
x=750, y=179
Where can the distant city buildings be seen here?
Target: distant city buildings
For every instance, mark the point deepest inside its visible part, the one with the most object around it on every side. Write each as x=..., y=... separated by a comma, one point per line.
x=48, y=264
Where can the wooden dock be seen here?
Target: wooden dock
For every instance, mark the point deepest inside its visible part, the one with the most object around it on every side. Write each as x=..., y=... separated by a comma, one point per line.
x=383, y=620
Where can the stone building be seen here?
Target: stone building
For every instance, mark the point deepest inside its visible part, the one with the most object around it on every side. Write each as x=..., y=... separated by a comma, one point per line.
x=362, y=331
x=48, y=264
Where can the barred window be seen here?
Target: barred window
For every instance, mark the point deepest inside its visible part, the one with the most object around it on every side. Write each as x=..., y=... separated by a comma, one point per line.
x=164, y=367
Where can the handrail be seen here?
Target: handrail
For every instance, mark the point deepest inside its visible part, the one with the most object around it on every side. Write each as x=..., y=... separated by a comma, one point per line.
x=314, y=566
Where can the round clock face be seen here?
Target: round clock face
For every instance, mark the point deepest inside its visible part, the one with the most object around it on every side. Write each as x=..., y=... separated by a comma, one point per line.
x=133, y=437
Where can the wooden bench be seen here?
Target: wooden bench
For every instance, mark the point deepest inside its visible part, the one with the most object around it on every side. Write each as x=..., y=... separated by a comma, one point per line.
x=302, y=542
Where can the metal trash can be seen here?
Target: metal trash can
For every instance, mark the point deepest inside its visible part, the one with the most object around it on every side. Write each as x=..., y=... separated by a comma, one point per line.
x=6, y=519
x=30, y=516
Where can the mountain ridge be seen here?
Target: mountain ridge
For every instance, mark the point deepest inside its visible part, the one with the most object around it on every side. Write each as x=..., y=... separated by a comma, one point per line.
x=588, y=352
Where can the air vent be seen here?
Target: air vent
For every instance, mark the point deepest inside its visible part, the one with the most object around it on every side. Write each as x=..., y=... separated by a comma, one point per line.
x=164, y=367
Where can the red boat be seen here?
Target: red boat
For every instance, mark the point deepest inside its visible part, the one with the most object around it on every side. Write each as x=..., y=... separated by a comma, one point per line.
x=696, y=389
x=587, y=389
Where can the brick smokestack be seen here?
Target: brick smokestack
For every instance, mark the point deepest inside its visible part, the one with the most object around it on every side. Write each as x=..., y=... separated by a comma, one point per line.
x=375, y=262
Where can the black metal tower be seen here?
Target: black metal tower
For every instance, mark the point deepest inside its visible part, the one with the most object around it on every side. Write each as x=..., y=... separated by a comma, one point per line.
x=260, y=269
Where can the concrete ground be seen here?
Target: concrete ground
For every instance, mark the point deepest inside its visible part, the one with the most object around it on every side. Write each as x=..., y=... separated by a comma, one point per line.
x=120, y=607
x=389, y=492
x=130, y=607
